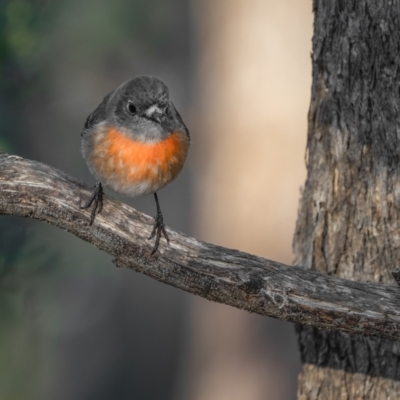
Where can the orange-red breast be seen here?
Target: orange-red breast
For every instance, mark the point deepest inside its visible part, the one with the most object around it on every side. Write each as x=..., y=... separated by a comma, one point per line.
x=135, y=142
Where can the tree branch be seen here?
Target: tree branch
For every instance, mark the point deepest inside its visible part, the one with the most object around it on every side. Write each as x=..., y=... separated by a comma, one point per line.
x=35, y=190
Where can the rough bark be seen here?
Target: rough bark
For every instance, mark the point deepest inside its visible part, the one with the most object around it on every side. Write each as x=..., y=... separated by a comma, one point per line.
x=349, y=217
x=35, y=190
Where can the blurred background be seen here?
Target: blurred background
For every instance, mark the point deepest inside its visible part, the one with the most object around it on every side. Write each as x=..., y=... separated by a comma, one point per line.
x=72, y=326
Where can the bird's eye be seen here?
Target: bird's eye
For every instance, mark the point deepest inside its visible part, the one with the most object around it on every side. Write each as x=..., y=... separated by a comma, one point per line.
x=131, y=108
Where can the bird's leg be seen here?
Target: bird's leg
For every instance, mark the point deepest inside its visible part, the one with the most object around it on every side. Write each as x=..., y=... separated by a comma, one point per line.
x=159, y=227
x=97, y=198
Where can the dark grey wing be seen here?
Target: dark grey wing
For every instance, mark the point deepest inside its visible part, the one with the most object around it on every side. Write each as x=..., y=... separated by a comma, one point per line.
x=178, y=119
x=98, y=115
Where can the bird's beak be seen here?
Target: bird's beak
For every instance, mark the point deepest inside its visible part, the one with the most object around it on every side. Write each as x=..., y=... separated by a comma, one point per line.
x=154, y=113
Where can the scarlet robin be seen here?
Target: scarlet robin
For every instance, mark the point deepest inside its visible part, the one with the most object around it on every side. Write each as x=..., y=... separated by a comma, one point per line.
x=135, y=143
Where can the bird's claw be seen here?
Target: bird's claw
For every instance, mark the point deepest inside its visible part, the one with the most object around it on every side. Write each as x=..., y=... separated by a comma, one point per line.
x=158, y=230
x=97, y=198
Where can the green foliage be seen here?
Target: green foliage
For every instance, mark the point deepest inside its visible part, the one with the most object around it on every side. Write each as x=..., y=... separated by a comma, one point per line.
x=18, y=33
x=18, y=42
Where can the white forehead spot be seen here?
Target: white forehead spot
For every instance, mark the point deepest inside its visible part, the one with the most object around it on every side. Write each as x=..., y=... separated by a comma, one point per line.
x=152, y=109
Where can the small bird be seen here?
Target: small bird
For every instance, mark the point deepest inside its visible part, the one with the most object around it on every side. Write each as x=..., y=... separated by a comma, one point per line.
x=135, y=142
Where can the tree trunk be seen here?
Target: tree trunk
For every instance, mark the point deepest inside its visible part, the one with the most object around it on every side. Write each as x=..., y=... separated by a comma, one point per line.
x=349, y=216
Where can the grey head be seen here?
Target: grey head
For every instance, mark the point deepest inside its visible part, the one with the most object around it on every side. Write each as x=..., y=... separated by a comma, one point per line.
x=141, y=109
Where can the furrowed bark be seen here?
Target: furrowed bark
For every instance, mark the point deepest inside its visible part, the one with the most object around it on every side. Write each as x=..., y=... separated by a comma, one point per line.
x=349, y=217
x=35, y=190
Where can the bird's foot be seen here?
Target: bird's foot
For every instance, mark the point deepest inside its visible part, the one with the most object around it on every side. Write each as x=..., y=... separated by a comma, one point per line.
x=97, y=198
x=158, y=230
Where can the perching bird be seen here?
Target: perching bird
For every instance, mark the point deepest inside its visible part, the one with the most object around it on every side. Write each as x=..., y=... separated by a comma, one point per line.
x=135, y=142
